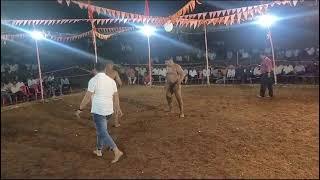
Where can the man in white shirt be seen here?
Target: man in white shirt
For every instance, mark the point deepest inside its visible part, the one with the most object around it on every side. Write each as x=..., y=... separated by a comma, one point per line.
x=102, y=90
x=279, y=69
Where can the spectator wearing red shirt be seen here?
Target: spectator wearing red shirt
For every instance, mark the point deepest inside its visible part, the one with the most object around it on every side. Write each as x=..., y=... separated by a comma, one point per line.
x=266, y=69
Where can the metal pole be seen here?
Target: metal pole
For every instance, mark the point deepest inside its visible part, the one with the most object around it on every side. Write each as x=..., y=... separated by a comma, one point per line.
x=237, y=57
x=94, y=42
x=39, y=68
x=273, y=60
x=207, y=61
x=150, y=74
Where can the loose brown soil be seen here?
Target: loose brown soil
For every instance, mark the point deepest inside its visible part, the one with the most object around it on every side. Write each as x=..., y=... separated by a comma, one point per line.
x=227, y=133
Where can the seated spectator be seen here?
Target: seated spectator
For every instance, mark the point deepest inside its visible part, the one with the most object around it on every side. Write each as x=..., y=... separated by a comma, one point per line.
x=288, y=69
x=279, y=69
x=16, y=90
x=64, y=84
x=146, y=79
x=5, y=93
x=299, y=69
x=131, y=76
x=231, y=72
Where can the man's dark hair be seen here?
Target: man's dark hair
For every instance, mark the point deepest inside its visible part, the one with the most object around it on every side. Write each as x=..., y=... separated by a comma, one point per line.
x=100, y=66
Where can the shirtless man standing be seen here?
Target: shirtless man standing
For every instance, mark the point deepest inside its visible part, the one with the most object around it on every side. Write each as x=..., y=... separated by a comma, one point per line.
x=175, y=76
x=113, y=74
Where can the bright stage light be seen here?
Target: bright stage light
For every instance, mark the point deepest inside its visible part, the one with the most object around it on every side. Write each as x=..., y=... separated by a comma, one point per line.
x=148, y=30
x=266, y=20
x=37, y=35
x=168, y=26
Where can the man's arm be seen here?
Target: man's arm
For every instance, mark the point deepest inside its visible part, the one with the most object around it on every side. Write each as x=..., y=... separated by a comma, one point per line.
x=180, y=73
x=118, y=80
x=116, y=104
x=86, y=99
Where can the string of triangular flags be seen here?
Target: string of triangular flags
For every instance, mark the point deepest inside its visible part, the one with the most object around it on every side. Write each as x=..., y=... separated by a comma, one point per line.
x=62, y=37
x=226, y=17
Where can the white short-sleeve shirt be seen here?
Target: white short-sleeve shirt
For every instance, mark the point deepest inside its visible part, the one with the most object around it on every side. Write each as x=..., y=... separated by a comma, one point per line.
x=103, y=88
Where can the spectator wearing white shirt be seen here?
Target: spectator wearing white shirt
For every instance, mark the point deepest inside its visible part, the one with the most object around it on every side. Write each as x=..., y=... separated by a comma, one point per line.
x=279, y=69
x=185, y=72
x=231, y=71
x=16, y=90
x=64, y=84
x=193, y=73
x=299, y=69
x=288, y=69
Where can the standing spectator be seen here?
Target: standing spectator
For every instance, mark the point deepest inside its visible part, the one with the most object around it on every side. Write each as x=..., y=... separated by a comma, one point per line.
x=266, y=76
x=193, y=74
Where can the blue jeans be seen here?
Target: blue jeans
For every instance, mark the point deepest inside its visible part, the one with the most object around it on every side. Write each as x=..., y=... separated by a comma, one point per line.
x=103, y=137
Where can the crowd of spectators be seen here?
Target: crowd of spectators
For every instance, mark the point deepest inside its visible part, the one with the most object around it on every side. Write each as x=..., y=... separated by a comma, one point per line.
x=21, y=83
x=287, y=72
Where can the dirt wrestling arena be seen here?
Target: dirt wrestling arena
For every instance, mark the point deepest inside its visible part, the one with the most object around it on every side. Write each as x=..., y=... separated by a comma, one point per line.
x=227, y=133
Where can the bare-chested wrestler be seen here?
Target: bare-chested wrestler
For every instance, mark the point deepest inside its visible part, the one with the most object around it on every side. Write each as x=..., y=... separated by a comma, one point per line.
x=175, y=76
x=113, y=74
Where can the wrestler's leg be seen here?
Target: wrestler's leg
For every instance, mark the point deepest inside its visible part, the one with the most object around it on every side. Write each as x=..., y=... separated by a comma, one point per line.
x=169, y=93
x=177, y=92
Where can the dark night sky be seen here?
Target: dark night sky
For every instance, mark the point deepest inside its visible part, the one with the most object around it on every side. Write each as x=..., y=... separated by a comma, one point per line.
x=303, y=28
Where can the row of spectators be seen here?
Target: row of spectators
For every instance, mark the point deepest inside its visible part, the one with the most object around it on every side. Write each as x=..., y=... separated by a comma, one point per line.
x=243, y=54
x=17, y=90
x=227, y=71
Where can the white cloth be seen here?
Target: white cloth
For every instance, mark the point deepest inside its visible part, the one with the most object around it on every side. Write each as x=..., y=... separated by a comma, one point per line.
x=16, y=88
x=193, y=73
x=299, y=68
x=179, y=58
x=256, y=71
x=288, y=69
x=310, y=51
x=296, y=52
x=103, y=88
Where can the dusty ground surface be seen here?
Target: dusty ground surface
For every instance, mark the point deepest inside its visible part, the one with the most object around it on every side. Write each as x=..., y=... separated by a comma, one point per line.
x=227, y=133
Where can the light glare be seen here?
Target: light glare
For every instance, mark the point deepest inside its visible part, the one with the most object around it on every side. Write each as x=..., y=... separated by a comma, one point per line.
x=148, y=30
x=266, y=20
x=37, y=35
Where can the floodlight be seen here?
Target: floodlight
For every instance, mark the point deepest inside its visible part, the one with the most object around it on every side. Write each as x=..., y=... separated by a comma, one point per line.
x=266, y=20
x=37, y=35
x=148, y=30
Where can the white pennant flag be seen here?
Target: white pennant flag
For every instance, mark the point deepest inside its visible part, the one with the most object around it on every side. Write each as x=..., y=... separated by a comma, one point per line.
x=295, y=2
x=60, y=1
x=68, y=2
x=218, y=13
x=223, y=12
